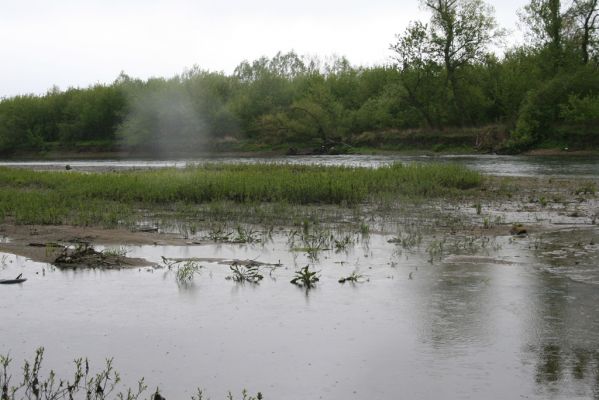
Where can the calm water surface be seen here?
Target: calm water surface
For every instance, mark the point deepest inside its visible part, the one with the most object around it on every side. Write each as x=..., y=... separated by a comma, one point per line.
x=582, y=167
x=516, y=323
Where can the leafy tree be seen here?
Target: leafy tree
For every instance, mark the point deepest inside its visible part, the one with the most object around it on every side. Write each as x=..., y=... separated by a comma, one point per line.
x=420, y=73
x=458, y=34
x=584, y=17
x=545, y=21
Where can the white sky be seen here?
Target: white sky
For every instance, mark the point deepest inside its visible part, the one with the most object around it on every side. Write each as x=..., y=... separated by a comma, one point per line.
x=82, y=42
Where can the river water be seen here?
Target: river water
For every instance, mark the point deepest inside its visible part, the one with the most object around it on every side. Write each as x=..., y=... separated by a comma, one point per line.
x=510, y=319
x=510, y=324
x=530, y=166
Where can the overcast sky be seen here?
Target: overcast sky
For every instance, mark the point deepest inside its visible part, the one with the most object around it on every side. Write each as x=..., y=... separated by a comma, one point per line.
x=82, y=42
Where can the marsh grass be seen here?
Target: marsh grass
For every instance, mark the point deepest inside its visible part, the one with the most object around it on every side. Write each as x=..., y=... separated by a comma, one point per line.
x=34, y=383
x=586, y=188
x=109, y=199
x=436, y=250
x=185, y=270
x=120, y=251
x=407, y=240
x=245, y=273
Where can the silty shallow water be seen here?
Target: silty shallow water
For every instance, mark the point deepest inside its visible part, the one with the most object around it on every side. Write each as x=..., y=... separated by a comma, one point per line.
x=513, y=322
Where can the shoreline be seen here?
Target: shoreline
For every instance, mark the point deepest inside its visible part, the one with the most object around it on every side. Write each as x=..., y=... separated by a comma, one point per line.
x=541, y=205
x=129, y=156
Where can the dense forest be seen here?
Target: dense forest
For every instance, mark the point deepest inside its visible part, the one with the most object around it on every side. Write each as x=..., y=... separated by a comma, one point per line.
x=450, y=77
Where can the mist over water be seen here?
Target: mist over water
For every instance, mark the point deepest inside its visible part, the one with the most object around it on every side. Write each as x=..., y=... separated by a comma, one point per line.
x=163, y=121
x=179, y=116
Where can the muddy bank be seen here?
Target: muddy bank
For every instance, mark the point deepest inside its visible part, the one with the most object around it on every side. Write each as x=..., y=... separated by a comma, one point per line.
x=44, y=243
x=537, y=205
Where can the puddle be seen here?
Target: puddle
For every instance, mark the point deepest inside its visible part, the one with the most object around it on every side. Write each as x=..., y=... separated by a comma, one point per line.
x=491, y=322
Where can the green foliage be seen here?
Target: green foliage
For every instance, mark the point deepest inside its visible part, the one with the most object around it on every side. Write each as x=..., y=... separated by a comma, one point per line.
x=444, y=77
x=305, y=278
x=34, y=385
x=568, y=98
x=30, y=197
x=354, y=277
x=29, y=122
x=106, y=384
x=245, y=273
x=586, y=188
x=186, y=272
x=581, y=110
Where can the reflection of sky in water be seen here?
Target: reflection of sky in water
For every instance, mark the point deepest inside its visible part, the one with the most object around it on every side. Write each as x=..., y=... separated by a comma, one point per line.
x=455, y=330
x=587, y=167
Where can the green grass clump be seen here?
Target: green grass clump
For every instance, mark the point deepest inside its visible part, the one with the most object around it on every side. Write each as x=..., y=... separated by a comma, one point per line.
x=107, y=198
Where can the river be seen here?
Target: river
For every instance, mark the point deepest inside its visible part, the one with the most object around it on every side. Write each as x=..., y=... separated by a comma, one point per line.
x=510, y=318
x=529, y=166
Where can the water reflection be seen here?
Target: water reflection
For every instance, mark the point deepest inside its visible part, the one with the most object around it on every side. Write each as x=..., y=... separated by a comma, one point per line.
x=566, y=324
x=510, y=324
x=558, y=368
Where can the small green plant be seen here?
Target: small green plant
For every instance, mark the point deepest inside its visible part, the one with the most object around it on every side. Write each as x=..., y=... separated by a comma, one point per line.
x=186, y=272
x=355, y=277
x=186, y=269
x=364, y=229
x=245, y=235
x=245, y=396
x=116, y=252
x=586, y=188
x=407, y=240
x=305, y=278
x=218, y=234
x=187, y=229
x=311, y=243
x=478, y=208
x=435, y=250
x=245, y=273
x=343, y=243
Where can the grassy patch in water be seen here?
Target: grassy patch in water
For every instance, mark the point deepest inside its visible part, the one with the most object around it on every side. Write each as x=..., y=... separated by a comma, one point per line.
x=107, y=198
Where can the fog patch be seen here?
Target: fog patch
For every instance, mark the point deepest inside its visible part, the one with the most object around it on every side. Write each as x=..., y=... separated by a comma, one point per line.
x=163, y=120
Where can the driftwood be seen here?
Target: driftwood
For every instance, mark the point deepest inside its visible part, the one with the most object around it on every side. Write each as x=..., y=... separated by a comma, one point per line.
x=146, y=229
x=47, y=245
x=84, y=255
x=18, y=279
x=221, y=261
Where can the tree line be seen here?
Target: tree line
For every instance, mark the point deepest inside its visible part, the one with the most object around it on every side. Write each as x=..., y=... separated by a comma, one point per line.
x=446, y=74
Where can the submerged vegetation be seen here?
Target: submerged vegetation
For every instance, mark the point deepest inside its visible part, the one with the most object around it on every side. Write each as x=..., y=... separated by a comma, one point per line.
x=245, y=273
x=185, y=269
x=29, y=197
x=306, y=278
